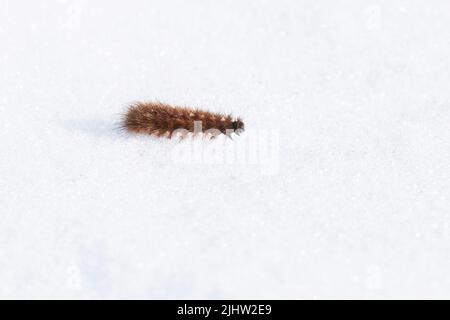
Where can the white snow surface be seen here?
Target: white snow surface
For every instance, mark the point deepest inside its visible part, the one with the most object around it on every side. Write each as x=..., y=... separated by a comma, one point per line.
x=356, y=93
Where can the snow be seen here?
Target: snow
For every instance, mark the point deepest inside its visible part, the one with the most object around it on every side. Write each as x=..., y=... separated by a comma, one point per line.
x=347, y=194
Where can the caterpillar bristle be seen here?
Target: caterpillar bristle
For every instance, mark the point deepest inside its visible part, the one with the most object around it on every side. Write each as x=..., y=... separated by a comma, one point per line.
x=163, y=120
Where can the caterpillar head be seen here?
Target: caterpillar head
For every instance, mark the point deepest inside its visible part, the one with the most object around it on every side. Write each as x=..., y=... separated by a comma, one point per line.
x=238, y=126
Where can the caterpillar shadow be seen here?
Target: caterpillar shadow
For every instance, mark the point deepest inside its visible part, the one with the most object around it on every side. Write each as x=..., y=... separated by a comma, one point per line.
x=95, y=127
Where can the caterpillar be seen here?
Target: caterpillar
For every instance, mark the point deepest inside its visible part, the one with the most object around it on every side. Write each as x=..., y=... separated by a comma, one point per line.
x=163, y=120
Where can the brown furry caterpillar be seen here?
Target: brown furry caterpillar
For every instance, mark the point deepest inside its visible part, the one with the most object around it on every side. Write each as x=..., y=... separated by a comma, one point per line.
x=162, y=120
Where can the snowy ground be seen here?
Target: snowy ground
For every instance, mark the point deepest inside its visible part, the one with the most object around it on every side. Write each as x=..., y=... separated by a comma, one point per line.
x=356, y=201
